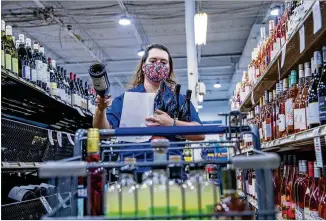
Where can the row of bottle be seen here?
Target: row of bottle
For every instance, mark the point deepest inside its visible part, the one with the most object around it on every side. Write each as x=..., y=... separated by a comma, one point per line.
x=160, y=193
x=293, y=106
x=31, y=64
x=300, y=192
x=279, y=30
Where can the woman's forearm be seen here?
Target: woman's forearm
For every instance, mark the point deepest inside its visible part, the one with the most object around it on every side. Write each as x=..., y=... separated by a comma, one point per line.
x=100, y=121
x=190, y=137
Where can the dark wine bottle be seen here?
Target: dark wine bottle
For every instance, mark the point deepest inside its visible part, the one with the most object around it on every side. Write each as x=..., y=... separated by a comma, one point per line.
x=23, y=60
x=322, y=91
x=173, y=103
x=184, y=114
x=100, y=79
x=159, y=103
x=312, y=98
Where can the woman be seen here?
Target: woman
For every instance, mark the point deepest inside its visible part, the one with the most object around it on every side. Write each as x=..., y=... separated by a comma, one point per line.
x=156, y=65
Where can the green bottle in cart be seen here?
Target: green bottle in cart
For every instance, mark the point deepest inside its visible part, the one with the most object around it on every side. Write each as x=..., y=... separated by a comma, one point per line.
x=201, y=194
x=120, y=198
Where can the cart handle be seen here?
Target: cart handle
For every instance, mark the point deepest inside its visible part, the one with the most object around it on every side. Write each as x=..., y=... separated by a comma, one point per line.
x=260, y=161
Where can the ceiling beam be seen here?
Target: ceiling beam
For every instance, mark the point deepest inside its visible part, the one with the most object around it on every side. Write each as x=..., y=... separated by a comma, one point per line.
x=76, y=35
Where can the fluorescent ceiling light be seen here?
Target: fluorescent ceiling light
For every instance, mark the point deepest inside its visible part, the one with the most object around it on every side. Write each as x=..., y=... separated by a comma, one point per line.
x=200, y=28
x=124, y=21
x=200, y=98
x=200, y=106
x=275, y=11
x=217, y=85
x=141, y=52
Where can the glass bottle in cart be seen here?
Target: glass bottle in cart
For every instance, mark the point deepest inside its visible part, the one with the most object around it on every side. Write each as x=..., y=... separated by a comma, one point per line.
x=231, y=201
x=121, y=197
x=201, y=194
x=96, y=174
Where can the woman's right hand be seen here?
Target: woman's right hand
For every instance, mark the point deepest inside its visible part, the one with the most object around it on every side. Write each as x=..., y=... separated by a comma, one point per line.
x=103, y=102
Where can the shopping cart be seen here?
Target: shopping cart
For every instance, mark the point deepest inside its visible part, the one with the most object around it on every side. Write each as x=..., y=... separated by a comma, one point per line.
x=94, y=188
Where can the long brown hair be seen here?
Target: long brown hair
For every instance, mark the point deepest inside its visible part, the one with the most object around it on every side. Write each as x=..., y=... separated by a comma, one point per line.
x=139, y=76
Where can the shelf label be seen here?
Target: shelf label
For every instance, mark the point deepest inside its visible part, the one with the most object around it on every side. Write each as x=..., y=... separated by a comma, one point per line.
x=70, y=139
x=283, y=55
x=59, y=138
x=302, y=38
x=318, y=152
x=50, y=137
x=316, y=13
x=46, y=204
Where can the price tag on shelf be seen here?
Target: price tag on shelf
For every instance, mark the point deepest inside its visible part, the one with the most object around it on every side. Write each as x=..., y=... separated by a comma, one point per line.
x=318, y=152
x=70, y=139
x=50, y=137
x=316, y=13
x=46, y=204
x=302, y=39
x=316, y=132
x=80, y=111
x=283, y=55
x=59, y=138
x=62, y=202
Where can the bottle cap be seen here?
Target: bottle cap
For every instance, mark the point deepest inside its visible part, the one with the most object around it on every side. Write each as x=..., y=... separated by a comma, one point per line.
x=35, y=46
x=3, y=25
x=317, y=59
x=301, y=71
x=307, y=70
x=21, y=38
x=8, y=30
x=28, y=42
x=41, y=49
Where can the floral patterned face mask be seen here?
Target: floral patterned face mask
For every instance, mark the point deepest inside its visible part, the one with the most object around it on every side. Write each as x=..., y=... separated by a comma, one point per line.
x=156, y=72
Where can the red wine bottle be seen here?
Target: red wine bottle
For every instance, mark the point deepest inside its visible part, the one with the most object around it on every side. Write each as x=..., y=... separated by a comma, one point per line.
x=100, y=79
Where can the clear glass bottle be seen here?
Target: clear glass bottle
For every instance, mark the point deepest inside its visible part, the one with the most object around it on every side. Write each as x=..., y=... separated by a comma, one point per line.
x=290, y=102
x=281, y=116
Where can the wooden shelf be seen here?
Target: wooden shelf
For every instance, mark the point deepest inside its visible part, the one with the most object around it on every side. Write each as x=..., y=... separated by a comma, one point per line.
x=293, y=57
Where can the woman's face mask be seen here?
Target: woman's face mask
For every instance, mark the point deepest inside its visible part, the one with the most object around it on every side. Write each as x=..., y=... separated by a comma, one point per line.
x=156, y=72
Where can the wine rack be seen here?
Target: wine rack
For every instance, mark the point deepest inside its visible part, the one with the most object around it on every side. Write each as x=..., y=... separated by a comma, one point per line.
x=22, y=99
x=293, y=57
x=25, y=146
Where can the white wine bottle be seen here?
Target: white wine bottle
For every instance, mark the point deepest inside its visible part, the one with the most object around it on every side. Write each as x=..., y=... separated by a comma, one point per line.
x=3, y=39
x=9, y=48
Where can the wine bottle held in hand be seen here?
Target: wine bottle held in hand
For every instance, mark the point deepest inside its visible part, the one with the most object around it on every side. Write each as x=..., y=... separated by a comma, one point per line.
x=100, y=79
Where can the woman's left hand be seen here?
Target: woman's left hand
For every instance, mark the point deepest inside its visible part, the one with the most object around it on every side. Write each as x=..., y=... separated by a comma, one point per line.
x=160, y=118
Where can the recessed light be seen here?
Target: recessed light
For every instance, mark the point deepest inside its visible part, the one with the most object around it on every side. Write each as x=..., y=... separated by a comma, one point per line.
x=217, y=85
x=141, y=52
x=200, y=106
x=275, y=11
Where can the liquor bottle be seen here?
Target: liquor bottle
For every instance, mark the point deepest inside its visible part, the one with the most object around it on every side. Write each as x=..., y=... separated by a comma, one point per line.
x=312, y=98
x=289, y=103
x=282, y=116
x=301, y=185
x=231, y=201
x=177, y=95
x=9, y=48
x=78, y=95
x=100, y=79
x=268, y=124
x=3, y=40
x=291, y=185
x=315, y=194
x=83, y=96
x=299, y=113
x=288, y=185
x=309, y=189
x=96, y=185
x=322, y=207
x=322, y=91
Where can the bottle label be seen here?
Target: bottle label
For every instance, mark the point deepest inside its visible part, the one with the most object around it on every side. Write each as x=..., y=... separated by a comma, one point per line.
x=299, y=214
x=300, y=119
x=313, y=215
x=313, y=113
x=2, y=58
x=306, y=212
x=289, y=112
x=99, y=84
x=38, y=69
x=8, y=61
x=15, y=65
x=33, y=75
x=281, y=122
x=322, y=108
x=26, y=72
x=268, y=129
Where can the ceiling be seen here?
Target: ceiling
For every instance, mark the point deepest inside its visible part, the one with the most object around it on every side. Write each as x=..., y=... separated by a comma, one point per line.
x=95, y=23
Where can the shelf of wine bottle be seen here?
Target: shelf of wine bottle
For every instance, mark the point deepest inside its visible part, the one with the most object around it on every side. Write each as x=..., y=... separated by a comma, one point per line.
x=23, y=99
x=293, y=57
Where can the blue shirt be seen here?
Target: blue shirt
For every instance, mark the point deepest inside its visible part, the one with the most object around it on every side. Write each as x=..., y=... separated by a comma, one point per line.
x=114, y=115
